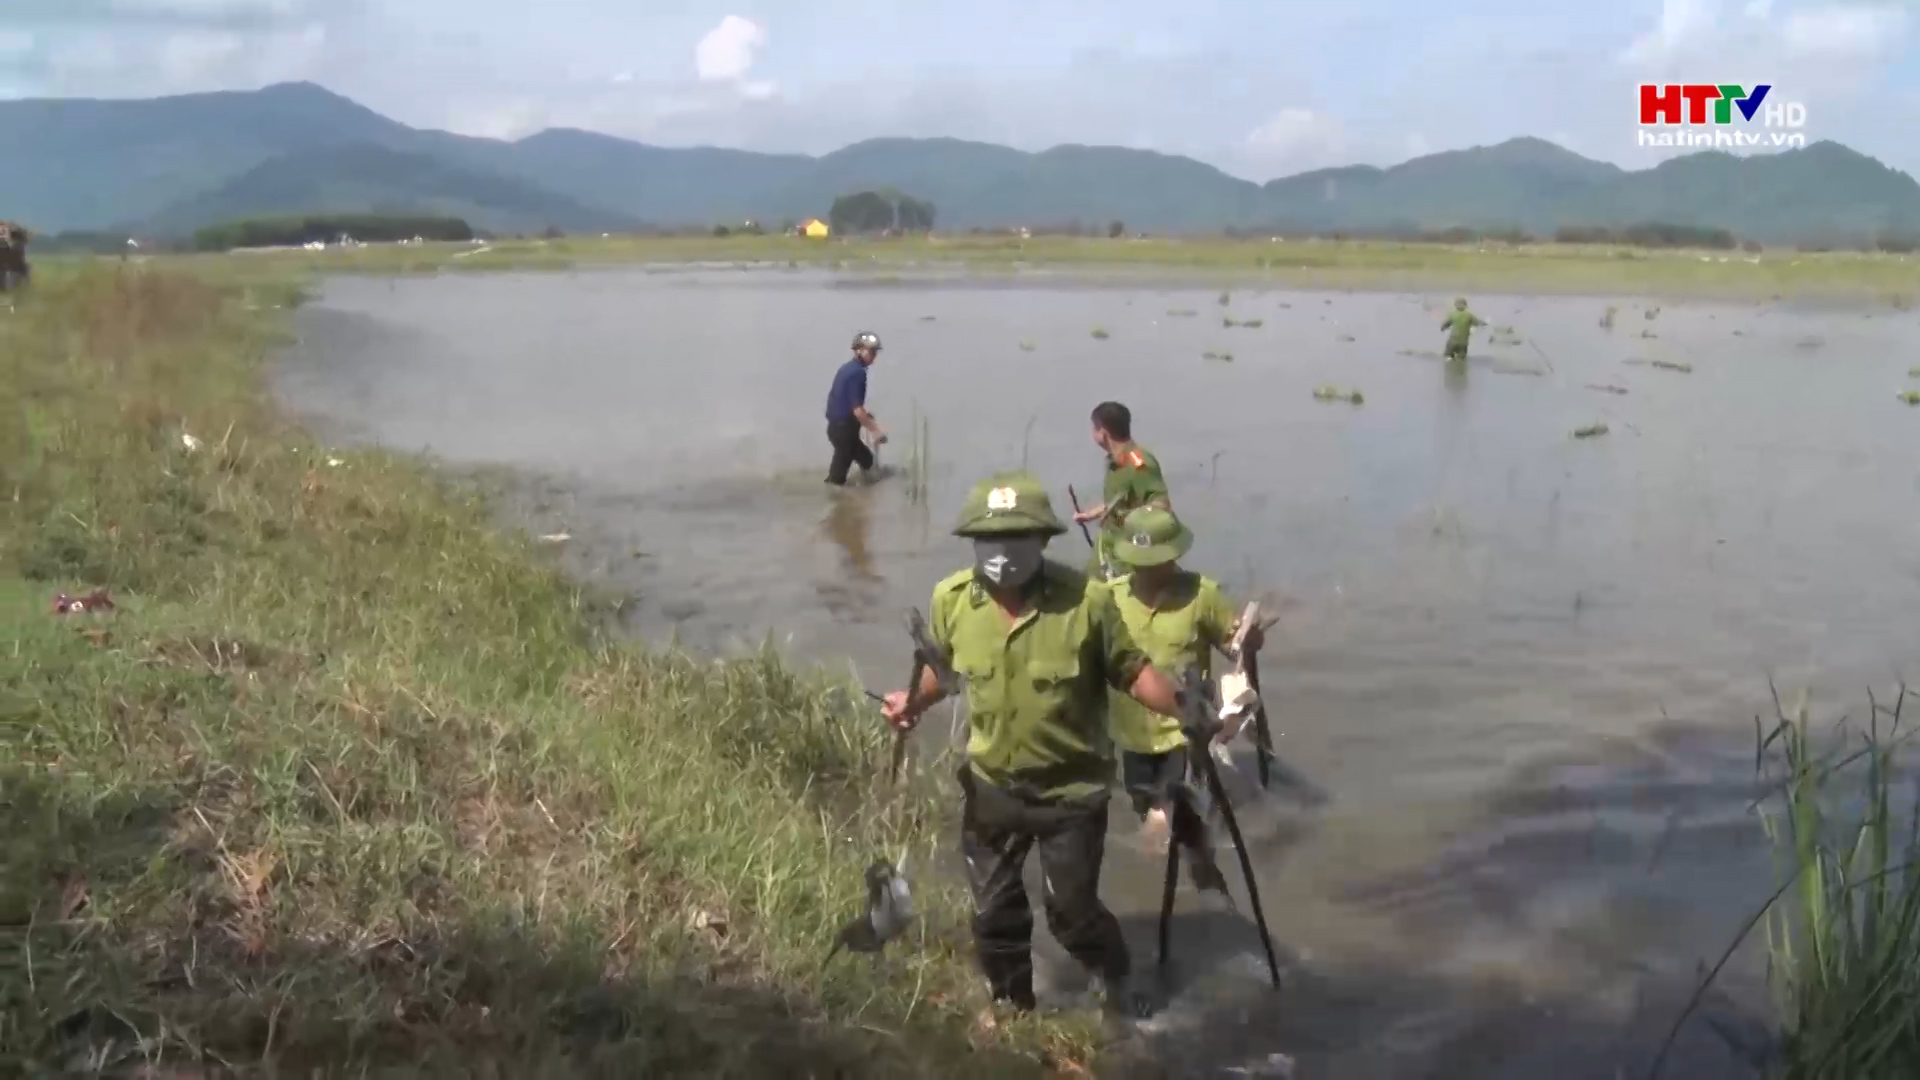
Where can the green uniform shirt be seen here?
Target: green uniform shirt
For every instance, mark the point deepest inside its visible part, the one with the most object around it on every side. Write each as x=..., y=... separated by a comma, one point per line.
x=1037, y=687
x=1132, y=482
x=1459, y=327
x=1192, y=619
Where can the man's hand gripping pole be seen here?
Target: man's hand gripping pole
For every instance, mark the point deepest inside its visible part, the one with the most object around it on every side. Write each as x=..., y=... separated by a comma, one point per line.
x=927, y=656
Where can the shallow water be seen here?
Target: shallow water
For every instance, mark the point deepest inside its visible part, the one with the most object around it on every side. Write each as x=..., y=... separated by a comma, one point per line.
x=1524, y=665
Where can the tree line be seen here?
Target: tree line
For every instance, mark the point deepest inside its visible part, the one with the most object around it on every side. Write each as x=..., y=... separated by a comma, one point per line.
x=327, y=229
x=882, y=211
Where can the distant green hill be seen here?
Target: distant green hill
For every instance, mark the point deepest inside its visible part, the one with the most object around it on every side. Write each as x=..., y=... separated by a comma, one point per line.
x=367, y=177
x=166, y=165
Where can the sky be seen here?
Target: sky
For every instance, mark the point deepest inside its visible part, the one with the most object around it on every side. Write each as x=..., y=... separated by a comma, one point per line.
x=1259, y=88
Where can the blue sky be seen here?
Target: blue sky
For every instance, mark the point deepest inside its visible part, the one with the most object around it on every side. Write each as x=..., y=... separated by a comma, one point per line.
x=1261, y=88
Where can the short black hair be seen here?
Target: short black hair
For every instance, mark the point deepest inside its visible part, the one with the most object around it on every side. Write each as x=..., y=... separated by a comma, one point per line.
x=1115, y=419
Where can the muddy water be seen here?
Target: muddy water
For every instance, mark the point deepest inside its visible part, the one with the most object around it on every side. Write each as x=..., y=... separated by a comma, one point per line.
x=1525, y=666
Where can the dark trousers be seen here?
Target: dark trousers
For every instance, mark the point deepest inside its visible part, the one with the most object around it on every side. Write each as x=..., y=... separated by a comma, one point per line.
x=1149, y=778
x=997, y=830
x=848, y=449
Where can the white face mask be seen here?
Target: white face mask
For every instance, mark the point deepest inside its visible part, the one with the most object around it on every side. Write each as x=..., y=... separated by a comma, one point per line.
x=1008, y=563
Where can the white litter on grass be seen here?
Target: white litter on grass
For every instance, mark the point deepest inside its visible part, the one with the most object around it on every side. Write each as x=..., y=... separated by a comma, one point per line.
x=189, y=442
x=334, y=463
x=556, y=538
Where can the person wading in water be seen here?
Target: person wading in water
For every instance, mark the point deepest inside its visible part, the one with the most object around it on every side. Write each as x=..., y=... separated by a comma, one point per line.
x=1178, y=618
x=1040, y=645
x=1459, y=325
x=1133, y=481
x=847, y=413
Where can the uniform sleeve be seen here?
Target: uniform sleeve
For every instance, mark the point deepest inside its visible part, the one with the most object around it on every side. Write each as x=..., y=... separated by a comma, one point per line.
x=1149, y=485
x=940, y=624
x=1120, y=655
x=1216, y=615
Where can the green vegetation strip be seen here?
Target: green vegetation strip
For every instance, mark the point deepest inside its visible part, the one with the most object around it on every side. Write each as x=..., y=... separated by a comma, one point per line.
x=1877, y=279
x=349, y=780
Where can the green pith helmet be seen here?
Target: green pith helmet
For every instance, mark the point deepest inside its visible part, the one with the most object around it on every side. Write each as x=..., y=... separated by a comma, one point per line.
x=1007, y=504
x=1460, y=302
x=1151, y=536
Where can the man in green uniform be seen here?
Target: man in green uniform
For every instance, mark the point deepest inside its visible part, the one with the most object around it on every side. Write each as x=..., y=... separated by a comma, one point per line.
x=1040, y=644
x=1179, y=618
x=1133, y=480
x=1459, y=325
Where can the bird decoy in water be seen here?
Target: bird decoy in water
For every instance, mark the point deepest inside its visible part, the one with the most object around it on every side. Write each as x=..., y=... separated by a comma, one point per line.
x=889, y=910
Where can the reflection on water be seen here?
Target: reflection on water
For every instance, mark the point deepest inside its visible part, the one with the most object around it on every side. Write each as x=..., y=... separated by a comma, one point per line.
x=1488, y=623
x=848, y=525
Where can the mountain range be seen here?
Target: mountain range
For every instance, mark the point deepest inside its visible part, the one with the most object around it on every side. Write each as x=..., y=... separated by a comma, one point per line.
x=166, y=166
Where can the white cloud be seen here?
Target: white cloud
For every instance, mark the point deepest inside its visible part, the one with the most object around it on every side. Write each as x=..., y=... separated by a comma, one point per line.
x=83, y=57
x=508, y=120
x=1418, y=146
x=727, y=51
x=1696, y=33
x=187, y=56
x=1844, y=31
x=1296, y=139
x=623, y=78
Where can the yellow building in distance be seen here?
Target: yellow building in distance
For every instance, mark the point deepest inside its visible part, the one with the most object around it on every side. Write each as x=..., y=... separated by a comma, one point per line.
x=815, y=228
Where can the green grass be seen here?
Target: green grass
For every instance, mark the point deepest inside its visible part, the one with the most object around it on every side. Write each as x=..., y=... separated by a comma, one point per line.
x=1843, y=928
x=351, y=780
x=1844, y=938
x=1527, y=268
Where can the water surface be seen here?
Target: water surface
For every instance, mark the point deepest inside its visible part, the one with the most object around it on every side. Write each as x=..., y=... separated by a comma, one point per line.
x=1525, y=665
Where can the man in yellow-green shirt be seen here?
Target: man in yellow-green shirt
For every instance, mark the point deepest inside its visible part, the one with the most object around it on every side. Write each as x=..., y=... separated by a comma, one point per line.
x=1133, y=479
x=1040, y=645
x=1459, y=325
x=1178, y=618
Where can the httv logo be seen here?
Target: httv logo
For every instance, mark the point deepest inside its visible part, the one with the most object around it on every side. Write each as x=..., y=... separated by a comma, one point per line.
x=1718, y=116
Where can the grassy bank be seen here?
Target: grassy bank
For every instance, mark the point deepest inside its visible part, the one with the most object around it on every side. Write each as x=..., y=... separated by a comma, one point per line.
x=350, y=780
x=1523, y=268
x=1844, y=937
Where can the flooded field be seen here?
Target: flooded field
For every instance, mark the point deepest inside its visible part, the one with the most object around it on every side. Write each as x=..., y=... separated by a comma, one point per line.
x=1524, y=665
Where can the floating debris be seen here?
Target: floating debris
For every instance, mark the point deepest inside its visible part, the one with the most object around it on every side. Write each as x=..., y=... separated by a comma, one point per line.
x=1606, y=319
x=1345, y=338
x=1590, y=431
x=1739, y=333
x=1674, y=365
x=1648, y=334
x=1227, y=356
x=1517, y=369
x=1334, y=393
x=926, y=318
x=1911, y=397
x=1809, y=343
x=1284, y=304
x=1226, y=298
x=1182, y=313
x=1027, y=346
x=1099, y=334
x=1653, y=313
x=1250, y=324
x=1607, y=388
x=556, y=538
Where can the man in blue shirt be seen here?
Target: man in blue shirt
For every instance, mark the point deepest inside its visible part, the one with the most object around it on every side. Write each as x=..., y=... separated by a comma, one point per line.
x=847, y=412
